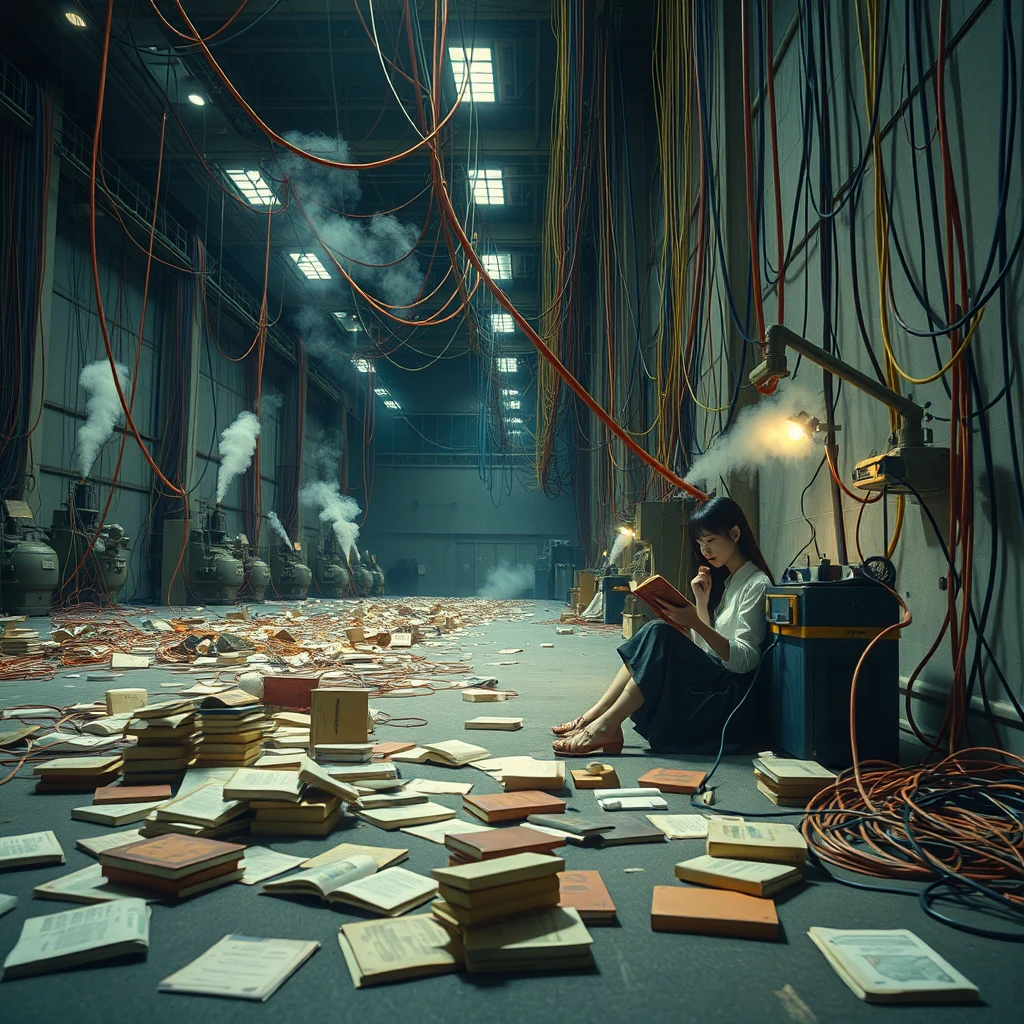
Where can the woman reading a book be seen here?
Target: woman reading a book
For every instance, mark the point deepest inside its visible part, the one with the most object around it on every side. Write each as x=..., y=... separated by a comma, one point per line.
x=682, y=676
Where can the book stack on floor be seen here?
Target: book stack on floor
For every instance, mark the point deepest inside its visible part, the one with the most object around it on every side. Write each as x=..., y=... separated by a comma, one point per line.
x=166, y=738
x=202, y=812
x=343, y=753
x=467, y=847
x=19, y=642
x=516, y=806
x=746, y=862
x=789, y=782
x=233, y=726
x=174, y=866
x=77, y=774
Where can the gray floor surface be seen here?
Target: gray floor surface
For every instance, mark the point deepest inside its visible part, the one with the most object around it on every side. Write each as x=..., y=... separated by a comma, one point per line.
x=639, y=974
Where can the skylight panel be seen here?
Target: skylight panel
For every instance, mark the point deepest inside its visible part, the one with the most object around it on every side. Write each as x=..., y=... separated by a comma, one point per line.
x=501, y=323
x=512, y=403
x=363, y=365
x=476, y=64
x=508, y=364
x=391, y=403
x=253, y=187
x=488, y=186
x=380, y=391
x=498, y=265
x=310, y=266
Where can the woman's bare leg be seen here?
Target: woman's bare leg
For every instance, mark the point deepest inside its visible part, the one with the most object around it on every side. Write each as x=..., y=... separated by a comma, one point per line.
x=611, y=695
x=606, y=729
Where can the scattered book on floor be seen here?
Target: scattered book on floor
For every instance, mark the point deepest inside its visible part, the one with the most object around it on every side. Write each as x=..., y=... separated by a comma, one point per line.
x=241, y=967
x=503, y=871
x=586, y=892
x=86, y=935
x=477, y=695
x=892, y=966
x=583, y=778
x=680, y=826
x=672, y=780
x=438, y=831
x=552, y=940
x=94, y=845
x=131, y=794
x=314, y=775
x=206, y=806
x=383, y=856
x=114, y=814
x=744, y=840
x=494, y=722
x=572, y=824
x=516, y=806
x=172, y=858
x=396, y=949
x=453, y=753
x=77, y=774
x=633, y=803
x=431, y=787
x=502, y=842
x=87, y=885
x=356, y=773
x=342, y=753
x=750, y=876
x=398, y=798
x=700, y=911
x=259, y=784
x=627, y=829
x=7, y=902
x=782, y=799
x=32, y=848
x=382, y=751
x=262, y=863
x=390, y=818
x=792, y=771
x=529, y=773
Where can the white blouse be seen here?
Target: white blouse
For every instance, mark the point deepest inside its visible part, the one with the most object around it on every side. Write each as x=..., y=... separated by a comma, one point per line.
x=740, y=618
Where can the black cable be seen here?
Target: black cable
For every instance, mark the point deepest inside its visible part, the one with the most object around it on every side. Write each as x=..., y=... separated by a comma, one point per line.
x=814, y=532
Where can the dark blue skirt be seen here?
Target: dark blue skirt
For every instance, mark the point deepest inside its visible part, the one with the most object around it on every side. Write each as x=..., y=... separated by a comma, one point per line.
x=688, y=694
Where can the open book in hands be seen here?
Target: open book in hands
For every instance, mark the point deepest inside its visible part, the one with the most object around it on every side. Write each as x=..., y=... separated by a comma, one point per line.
x=655, y=591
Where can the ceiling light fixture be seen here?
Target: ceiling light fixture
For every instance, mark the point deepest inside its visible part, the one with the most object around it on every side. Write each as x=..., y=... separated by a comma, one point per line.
x=498, y=265
x=488, y=186
x=509, y=391
x=508, y=364
x=310, y=266
x=502, y=323
x=476, y=64
x=390, y=403
x=75, y=19
x=253, y=187
x=363, y=365
x=380, y=391
x=511, y=403
x=195, y=98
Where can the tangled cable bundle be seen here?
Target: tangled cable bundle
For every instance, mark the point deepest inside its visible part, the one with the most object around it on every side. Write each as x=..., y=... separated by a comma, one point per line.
x=957, y=824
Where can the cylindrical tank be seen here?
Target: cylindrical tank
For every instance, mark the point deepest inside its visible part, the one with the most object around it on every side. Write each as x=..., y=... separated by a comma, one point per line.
x=362, y=578
x=256, y=577
x=332, y=579
x=28, y=574
x=214, y=574
x=290, y=576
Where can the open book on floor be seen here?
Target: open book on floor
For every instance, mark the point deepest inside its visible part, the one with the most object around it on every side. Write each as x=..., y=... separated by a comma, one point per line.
x=377, y=952
x=357, y=882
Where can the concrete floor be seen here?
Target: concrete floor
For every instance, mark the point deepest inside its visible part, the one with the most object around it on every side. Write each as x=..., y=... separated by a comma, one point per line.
x=639, y=974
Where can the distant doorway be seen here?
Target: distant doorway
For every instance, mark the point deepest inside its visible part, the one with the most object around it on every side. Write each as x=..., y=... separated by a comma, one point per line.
x=506, y=564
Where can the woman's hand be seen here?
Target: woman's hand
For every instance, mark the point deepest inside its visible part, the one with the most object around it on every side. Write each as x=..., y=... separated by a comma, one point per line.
x=701, y=584
x=685, y=617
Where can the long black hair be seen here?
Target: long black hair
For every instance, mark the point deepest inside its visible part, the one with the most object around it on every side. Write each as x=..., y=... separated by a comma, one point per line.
x=718, y=516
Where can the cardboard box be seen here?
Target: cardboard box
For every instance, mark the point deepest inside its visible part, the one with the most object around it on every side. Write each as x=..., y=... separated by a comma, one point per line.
x=338, y=715
x=120, y=702
x=289, y=691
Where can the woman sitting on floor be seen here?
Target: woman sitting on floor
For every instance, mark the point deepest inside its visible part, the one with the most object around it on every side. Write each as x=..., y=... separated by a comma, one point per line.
x=680, y=692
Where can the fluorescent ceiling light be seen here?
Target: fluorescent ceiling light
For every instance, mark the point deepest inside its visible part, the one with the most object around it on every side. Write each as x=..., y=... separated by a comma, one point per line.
x=253, y=187
x=391, y=403
x=508, y=364
x=476, y=64
x=363, y=365
x=498, y=265
x=309, y=265
x=488, y=186
x=194, y=97
x=509, y=391
x=511, y=403
x=348, y=322
x=501, y=323
x=380, y=391
x=515, y=419
x=79, y=22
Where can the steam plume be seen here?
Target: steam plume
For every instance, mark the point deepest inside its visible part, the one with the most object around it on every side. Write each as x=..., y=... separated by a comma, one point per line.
x=326, y=450
x=237, y=444
x=760, y=433
x=335, y=508
x=103, y=410
x=621, y=540
x=279, y=529
x=506, y=581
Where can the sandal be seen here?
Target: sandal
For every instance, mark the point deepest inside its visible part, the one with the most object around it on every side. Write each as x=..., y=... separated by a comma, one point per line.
x=569, y=727
x=585, y=744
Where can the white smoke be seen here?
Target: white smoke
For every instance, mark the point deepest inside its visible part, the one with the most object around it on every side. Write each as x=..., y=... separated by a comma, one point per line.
x=271, y=401
x=325, y=446
x=335, y=508
x=103, y=410
x=761, y=432
x=237, y=444
x=505, y=582
x=621, y=540
x=279, y=529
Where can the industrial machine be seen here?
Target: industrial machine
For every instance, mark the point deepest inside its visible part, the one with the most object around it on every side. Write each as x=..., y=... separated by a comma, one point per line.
x=821, y=625
x=362, y=578
x=100, y=575
x=208, y=571
x=289, y=574
x=379, y=582
x=330, y=573
x=615, y=587
x=554, y=572
x=255, y=572
x=28, y=566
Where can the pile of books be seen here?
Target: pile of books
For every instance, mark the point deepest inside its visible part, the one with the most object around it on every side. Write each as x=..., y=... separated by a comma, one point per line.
x=343, y=753
x=506, y=913
x=788, y=781
x=19, y=642
x=467, y=847
x=745, y=864
x=165, y=745
x=233, y=725
x=77, y=774
x=203, y=812
x=315, y=814
x=174, y=866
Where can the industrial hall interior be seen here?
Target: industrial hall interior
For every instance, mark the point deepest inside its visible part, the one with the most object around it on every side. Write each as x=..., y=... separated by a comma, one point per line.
x=511, y=510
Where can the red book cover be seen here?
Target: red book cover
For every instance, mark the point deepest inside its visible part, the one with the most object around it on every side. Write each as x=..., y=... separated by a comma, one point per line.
x=672, y=780
x=130, y=794
x=171, y=856
x=501, y=843
x=170, y=886
x=515, y=806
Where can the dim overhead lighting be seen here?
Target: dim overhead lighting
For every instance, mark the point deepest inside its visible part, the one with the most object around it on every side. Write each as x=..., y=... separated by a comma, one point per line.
x=498, y=265
x=310, y=266
x=391, y=403
x=488, y=186
x=508, y=364
x=196, y=99
x=502, y=323
x=253, y=187
x=363, y=365
x=477, y=65
x=509, y=391
x=75, y=19
x=515, y=419
x=511, y=403
x=380, y=391
x=348, y=322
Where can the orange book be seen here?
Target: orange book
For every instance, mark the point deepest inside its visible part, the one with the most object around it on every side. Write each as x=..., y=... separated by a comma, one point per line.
x=657, y=588
x=500, y=843
x=170, y=886
x=586, y=891
x=130, y=794
x=702, y=911
x=171, y=856
x=515, y=806
x=672, y=780
x=383, y=751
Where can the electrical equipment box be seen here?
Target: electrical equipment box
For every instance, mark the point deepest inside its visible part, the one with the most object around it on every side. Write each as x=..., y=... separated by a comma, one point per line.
x=821, y=630
x=659, y=526
x=616, y=590
x=925, y=467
